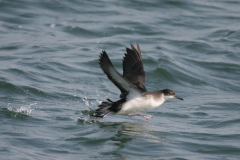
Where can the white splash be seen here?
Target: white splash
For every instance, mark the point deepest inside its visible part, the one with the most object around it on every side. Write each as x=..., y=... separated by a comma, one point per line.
x=85, y=100
x=23, y=109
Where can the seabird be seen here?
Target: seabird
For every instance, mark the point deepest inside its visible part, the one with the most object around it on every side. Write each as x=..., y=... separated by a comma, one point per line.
x=134, y=96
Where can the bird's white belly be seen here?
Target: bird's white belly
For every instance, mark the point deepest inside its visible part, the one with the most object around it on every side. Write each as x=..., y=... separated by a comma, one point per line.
x=139, y=104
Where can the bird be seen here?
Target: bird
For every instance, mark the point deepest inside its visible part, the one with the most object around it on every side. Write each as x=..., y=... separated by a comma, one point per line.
x=134, y=96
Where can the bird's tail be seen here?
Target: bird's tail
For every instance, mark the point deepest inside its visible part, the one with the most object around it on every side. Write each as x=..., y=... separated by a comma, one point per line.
x=103, y=109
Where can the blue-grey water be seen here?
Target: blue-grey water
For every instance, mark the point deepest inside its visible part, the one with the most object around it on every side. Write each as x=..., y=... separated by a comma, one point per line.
x=50, y=77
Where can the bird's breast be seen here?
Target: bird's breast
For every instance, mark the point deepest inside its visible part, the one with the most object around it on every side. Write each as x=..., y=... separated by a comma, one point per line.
x=139, y=104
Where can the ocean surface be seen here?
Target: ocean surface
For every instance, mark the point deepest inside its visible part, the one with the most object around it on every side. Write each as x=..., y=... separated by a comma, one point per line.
x=50, y=79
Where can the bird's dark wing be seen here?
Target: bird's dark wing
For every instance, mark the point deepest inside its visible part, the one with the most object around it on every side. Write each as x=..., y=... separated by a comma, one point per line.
x=133, y=69
x=122, y=83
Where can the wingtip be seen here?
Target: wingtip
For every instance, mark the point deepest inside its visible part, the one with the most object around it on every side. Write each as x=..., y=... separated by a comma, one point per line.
x=132, y=46
x=103, y=51
x=137, y=44
x=139, y=50
x=100, y=55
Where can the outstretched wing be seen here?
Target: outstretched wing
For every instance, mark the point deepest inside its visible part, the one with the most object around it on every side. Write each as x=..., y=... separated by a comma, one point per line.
x=122, y=83
x=133, y=69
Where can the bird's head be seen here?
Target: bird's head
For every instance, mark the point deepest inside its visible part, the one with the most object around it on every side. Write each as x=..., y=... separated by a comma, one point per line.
x=168, y=94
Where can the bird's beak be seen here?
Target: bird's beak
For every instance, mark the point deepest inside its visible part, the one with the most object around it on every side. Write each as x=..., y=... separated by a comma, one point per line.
x=179, y=98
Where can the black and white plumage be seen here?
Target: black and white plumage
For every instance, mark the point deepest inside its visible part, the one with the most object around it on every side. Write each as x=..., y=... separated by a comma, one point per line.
x=134, y=96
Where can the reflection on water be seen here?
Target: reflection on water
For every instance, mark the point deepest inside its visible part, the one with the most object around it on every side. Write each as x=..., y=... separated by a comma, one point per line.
x=141, y=130
x=128, y=131
x=127, y=136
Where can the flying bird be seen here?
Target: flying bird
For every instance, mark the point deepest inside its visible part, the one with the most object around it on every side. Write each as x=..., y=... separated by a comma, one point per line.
x=134, y=96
